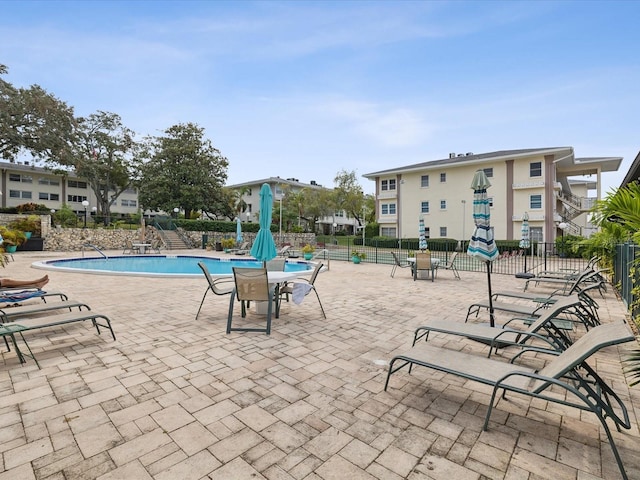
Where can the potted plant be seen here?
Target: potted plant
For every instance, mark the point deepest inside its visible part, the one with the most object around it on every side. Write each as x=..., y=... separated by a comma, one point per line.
x=227, y=243
x=12, y=239
x=357, y=257
x=29, y=225
x=211, y=244
x=308, y=250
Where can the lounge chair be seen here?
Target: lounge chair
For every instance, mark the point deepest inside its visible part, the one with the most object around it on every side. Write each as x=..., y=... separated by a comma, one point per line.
x=397, y=264
x=219, y=286
x=585, y=312
x=36, y=323
x=19, y=295
x=564, y=283
x=284, y=251
x=300, y=289
x=450, y=265
x=423, y=263
x=569, y=371
x=548, y=328
x=8, y=314
x=251, y=284
x=10, y=331
x=243, y=249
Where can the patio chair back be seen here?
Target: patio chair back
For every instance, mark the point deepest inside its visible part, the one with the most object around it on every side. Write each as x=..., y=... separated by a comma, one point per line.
x=252, y=284
x=423, y=262
x=219, y=286
x=397, y=264
x=276, y=264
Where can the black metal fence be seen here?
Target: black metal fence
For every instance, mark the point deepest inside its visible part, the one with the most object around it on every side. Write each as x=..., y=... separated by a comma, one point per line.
x=543, y=256
x=626, y=276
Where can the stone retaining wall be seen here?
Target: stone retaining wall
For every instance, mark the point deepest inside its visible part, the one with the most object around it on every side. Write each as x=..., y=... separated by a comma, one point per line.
x=72, y=239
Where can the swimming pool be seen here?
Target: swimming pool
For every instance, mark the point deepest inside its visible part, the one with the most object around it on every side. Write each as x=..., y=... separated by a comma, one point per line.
x=159, y=265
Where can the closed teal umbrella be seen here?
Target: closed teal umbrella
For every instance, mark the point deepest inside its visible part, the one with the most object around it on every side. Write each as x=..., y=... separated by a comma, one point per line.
x=264, y=248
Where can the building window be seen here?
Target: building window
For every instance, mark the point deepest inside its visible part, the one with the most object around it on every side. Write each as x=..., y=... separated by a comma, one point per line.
x=535, y=169
x=443, y=177
x=536, y=234
x=488, y=171
x=389, y=232
x=54, y=197
x=76, y=198
x=535, y=201
x=16, y=177
x=424, y=207
x=49, y=181
x=249, y=190
x=386, y=185
x=388, y=208
x=443, y=204
x=76, y=184
x=427, y=232
x=424, y=181
x=128, y=203
x=19, y=194
x=248, y=208
x=443, y=231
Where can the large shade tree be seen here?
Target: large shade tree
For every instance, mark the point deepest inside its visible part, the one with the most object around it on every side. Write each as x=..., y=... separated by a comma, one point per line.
x=105, y=154
x=183, y=170
x=32, y=120
x=348, y=195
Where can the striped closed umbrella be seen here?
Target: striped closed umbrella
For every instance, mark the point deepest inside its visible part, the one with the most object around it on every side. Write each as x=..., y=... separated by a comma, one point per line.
x=525, y=240
x=422, y=243
x=482, y=244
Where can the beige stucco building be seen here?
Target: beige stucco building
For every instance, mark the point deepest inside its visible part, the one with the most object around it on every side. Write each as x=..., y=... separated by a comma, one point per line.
x=550, y=184
x=338, y=222
x=23, y=182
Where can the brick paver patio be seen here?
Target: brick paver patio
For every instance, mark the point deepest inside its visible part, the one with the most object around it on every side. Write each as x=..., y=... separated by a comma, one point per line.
x=174, y=398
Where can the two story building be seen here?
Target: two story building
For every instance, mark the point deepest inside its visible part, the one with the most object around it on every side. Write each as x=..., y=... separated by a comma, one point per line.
x=542, y=182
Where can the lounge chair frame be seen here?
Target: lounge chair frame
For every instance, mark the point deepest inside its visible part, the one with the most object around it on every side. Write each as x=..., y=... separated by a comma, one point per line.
x=548, y=329
x=568, y=371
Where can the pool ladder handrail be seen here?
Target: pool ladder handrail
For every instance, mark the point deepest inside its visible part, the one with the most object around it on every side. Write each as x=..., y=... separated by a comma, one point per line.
x=95, y=248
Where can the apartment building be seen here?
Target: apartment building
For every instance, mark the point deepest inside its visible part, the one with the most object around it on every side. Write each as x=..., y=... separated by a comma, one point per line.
x=23, y=182
x=338, y=222
x=551, y=185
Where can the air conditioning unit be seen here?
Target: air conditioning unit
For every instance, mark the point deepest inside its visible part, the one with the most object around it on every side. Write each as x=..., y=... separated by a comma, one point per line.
x=452, y=155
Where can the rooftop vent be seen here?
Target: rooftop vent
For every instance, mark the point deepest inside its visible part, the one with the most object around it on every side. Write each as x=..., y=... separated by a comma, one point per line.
x=313, y=182
x=461, y=154
x=469, y=153
x=452, y=155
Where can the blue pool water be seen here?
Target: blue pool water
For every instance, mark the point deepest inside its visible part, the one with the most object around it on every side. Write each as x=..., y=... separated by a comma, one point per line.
x=158, y=265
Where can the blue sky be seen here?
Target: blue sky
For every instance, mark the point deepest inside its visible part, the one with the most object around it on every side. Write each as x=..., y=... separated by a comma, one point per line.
x=305, y=89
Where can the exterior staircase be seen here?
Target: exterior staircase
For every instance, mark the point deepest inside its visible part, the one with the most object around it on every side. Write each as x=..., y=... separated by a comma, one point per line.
x=173, y=241
x=572, y=206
